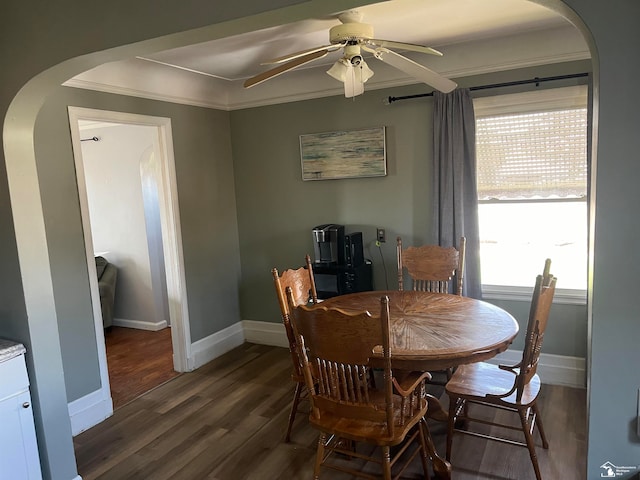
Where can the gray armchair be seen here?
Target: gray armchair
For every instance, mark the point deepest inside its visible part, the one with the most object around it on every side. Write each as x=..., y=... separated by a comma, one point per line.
x=107, y=276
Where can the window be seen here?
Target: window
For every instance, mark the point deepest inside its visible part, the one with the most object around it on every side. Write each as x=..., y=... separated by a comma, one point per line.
x=532, y=187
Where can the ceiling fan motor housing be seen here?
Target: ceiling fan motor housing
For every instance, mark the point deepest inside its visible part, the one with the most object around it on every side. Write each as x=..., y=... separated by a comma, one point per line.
x=352, y=53
x=350, y=32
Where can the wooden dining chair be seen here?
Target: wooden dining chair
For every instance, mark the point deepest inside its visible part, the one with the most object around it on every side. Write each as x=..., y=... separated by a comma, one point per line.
x=432, y=268
x=303, y=289
x=515, y=388
x=337, y=350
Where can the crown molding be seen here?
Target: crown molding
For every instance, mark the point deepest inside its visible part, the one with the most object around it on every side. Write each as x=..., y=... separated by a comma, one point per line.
x=526, y=49
x=134, y=92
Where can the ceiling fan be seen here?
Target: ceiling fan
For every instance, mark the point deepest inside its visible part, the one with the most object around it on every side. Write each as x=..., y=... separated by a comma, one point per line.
x=353, y=37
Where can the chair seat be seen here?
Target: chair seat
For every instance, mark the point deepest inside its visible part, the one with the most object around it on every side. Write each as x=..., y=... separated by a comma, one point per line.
x=361, y=430
x=479, y=380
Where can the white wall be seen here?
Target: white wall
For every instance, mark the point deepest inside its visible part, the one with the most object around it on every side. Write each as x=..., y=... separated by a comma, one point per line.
x=119, y=224
x=150, y=173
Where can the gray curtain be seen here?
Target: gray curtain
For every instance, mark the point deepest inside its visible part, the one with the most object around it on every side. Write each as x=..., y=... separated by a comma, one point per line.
x=454, y=180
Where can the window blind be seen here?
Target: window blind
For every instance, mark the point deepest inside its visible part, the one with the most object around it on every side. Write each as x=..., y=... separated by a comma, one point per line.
x=534, y=154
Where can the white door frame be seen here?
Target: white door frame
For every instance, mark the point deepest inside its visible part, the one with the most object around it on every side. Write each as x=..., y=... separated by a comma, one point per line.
x=171, y=235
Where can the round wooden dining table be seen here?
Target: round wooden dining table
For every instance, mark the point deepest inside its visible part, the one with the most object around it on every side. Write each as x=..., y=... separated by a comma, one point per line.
x=434, y=331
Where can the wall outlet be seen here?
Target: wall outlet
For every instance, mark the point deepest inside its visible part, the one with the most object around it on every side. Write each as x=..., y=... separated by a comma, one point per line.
x=381, y=236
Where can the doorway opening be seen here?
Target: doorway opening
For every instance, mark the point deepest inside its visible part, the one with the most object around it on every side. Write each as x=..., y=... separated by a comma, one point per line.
x=127, y=191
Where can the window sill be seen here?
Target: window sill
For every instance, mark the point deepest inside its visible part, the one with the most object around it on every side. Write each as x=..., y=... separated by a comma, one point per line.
x=503, y=292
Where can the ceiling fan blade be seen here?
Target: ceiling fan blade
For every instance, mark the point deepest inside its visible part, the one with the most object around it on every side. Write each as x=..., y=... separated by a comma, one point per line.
x=302, y=53
x=416, y=70
x=403, y=46
x=274, y=72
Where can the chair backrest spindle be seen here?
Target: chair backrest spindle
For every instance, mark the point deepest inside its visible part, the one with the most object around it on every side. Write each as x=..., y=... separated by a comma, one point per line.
x=431, y=267
x=337, y=348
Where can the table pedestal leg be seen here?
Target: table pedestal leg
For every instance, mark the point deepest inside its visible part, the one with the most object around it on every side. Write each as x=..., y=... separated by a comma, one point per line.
x=435, y=409
x=441, y=468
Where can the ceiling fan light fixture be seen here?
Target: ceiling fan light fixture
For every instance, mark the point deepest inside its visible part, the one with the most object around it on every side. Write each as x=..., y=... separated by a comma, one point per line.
x=339, y=70
x=353, y=75
x=353, y=84
x=365, y=72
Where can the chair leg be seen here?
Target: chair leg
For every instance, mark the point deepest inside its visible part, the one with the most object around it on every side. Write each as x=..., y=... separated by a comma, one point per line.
x=526, y=428
x=449, y=371
x=294, y=410
x=545, y=444
x=423, y=451
x=386, y=463
x=319, y=455
x=453, y=402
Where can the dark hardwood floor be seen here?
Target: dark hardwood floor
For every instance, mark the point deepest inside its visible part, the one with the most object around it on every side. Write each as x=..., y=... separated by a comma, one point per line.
x=226, y=421
x=138, y=361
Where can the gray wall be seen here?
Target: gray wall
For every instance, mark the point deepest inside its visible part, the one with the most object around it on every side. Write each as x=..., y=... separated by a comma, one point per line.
x=615, y=330
x=277, y=232
x=567, y=329
x=204, y=173
x=56, y=40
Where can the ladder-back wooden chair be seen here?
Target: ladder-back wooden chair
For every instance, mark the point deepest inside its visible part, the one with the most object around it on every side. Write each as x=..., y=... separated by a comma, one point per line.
x=514, y=388
x=303, y=289
x=337, y=350
x=432, y=268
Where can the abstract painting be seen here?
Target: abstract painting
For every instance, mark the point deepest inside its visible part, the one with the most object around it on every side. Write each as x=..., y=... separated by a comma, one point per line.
x=343, y=154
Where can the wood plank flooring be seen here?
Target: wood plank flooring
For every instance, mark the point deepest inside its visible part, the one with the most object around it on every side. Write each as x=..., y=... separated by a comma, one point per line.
x=226, y=421
x=138, y=360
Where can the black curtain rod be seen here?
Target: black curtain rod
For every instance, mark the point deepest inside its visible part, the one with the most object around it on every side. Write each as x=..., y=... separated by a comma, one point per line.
x=536, y=80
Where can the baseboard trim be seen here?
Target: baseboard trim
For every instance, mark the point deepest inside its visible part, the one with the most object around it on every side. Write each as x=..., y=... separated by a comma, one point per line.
x=97, y=406
x=211, y=347
x=139, y=324
x=265, y=333
x=89, y=411
x=553, y=369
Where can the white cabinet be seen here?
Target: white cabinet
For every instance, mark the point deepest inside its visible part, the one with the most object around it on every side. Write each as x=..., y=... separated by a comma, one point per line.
x=18, y=448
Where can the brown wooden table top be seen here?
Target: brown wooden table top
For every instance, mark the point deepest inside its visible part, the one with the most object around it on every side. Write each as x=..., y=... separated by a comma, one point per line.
x=432, y=331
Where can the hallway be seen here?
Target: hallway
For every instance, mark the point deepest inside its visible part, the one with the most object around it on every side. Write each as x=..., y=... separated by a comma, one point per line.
x=138, y=360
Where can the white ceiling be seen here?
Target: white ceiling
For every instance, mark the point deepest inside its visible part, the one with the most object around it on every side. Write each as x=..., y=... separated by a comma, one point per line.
x=476, y=36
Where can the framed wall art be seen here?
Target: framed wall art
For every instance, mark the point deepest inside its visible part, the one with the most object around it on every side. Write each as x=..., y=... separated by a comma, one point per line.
x=344, y=154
